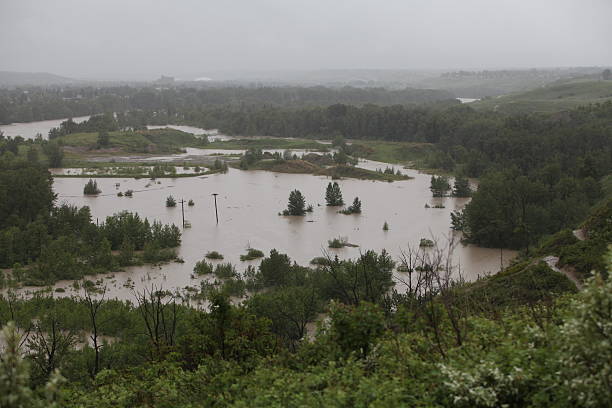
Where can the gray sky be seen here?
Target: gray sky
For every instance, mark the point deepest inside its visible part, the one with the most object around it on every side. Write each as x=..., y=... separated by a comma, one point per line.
x=132, y=38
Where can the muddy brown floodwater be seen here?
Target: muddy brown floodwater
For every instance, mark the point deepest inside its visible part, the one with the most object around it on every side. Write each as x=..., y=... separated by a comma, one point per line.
x=249, y=203
x=29, y=130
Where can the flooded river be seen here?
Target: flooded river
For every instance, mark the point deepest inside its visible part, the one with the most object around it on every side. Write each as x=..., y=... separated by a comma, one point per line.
x=249, y=203
x=29, y=130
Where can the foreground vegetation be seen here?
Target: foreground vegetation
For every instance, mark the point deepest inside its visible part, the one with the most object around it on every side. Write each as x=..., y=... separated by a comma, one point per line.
x=525, y=338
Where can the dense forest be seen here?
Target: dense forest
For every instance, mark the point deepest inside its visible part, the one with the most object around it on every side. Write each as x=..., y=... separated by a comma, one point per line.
x=31, y=104
x=539, y=173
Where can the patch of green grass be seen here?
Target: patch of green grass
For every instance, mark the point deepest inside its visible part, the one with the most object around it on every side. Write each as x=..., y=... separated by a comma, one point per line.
x=286, y=166
x=554, y=97
x=336, y=172
x=142, y=141
x=405, y=153
x=268, y=143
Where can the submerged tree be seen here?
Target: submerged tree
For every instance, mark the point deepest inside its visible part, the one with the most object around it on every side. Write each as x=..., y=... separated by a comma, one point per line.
x=439, y=186
x=170, y=202
x=333, y=195
x=461, y=187
x=296, y=205
x=91, y=188
x=354, y=208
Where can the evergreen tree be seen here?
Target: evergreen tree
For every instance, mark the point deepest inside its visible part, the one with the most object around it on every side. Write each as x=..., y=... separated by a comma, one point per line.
x=461, y=188
x=91, y=188
x=103, y=138
x=297, y=204
x=333, y=195
x=457, y=220
x=356, y=206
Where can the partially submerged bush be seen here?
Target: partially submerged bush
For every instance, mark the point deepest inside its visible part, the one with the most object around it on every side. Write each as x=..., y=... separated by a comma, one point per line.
x=213, y=255
x=251, y=254
x=225, y=271
x=170, y=202
x=426, y=242
x=354, y=208
x=336, y=243
x=203, y=268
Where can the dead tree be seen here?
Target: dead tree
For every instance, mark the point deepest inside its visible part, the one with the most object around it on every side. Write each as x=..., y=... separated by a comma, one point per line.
x=431, y=291
x=93, y=307
x=159, y=313
x=49, y=344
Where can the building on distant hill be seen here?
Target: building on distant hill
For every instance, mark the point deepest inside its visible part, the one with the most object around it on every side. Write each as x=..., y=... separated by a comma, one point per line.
x=165, y=80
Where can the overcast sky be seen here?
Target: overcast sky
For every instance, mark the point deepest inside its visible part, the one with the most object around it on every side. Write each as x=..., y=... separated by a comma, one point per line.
x=132, y=38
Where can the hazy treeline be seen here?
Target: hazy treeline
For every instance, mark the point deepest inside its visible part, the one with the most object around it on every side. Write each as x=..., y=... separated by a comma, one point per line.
x=31, y=104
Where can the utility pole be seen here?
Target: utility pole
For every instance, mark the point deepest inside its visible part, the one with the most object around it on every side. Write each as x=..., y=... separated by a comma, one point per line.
x=216, y=212
x=183, y=210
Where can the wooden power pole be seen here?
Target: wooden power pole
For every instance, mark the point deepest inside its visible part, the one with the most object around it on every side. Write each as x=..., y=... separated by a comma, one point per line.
x=216, y=212
x=183, y=210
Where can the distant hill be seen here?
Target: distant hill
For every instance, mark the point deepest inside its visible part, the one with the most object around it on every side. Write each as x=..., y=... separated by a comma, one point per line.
x=11, y=79
x=554, y=97
x=480, y=84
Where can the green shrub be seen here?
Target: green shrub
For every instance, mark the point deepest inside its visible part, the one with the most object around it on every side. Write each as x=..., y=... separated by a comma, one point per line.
x=213, y=255
x=426, y=242
x=203, y=268
x=252, y=254
x=225, y=271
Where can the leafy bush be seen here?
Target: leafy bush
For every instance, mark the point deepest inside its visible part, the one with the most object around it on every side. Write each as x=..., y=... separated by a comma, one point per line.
x=252, y=254
x=426, y=242
x=336, y=243
x=203, y=268
x=170, y=202
x=225, y=271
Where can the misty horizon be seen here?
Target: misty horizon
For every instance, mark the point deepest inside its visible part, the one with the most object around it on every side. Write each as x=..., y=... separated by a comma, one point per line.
x=142, y=40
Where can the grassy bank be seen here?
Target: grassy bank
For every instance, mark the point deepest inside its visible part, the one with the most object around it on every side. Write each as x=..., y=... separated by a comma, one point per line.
x=141, y=141
x=267, y=143
x=339, y=171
